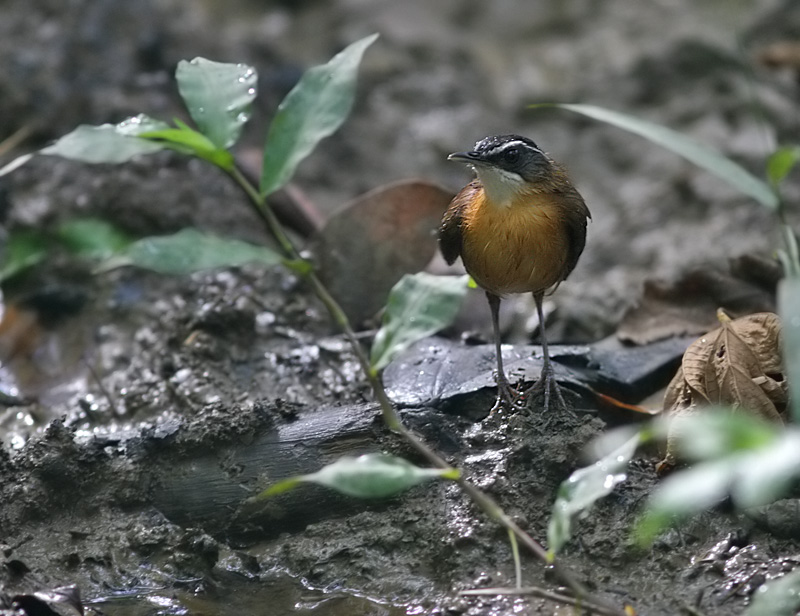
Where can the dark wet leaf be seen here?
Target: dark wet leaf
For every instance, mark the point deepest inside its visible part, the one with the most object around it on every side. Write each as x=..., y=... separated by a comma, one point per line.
x=108, y=143
x=583, y=488
x=218, y=97
x=779, y=597
x=701, y=155
x=314, y=109
x=22, y=250
x=92, y=237
x=419, y=306
x=789, y=310
x=781, y=163
x=189, y=251
x=368, y=245
x=372, y=475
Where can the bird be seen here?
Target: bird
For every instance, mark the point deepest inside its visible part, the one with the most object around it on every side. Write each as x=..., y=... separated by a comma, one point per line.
x=519, y=227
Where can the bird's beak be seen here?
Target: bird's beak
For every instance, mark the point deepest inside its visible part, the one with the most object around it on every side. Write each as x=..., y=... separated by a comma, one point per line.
x=467, y=157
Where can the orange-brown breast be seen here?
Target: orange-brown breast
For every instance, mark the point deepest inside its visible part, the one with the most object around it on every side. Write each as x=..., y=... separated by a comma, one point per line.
x=523, y=247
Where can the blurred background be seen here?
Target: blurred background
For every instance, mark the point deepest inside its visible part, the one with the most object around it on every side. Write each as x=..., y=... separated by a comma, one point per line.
x=443, y=75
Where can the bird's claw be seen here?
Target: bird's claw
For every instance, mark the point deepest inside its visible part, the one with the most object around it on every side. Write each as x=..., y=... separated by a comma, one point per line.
x=546, y=386
x=508, y=397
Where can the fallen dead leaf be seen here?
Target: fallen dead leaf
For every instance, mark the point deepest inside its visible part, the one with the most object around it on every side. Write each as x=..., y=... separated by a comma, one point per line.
x=369, y=244
x=688, y=305
x=737, y=365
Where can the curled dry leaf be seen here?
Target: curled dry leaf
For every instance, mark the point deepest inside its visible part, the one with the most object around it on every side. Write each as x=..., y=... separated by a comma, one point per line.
x=737, y=365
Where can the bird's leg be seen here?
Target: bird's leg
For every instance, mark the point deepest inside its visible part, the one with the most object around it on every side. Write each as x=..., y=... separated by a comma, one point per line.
x=505, y=393
x=547, y=383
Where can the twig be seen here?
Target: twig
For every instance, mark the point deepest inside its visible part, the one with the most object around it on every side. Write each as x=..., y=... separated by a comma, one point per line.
x=535, y=591
x=17, y=137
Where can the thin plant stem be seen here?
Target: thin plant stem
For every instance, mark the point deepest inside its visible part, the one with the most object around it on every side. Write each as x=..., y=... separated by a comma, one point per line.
x=390, y=415
x=512, y=538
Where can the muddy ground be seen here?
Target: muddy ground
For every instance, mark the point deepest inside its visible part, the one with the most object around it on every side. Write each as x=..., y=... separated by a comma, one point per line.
x=157, y=405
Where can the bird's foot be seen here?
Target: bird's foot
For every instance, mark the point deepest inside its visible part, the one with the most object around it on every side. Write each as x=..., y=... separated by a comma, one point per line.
x=508, y=397
x=547, y=387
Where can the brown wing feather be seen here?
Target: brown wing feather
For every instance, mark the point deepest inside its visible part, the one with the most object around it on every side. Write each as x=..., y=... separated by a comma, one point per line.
x=576, y=214
x=450, y=231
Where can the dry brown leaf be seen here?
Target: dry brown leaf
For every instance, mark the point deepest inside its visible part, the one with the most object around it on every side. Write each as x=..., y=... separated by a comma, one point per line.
x=687, y=306
x=367, y=246
x=736, y=365
x=741, y=351
x=782, y=54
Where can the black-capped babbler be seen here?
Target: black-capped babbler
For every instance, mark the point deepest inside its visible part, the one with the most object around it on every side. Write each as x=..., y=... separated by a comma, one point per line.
x=519, y=226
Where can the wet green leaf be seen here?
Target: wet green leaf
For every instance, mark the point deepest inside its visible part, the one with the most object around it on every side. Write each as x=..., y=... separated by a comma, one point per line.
x=92, y=237
x=789, y=311
x=108, y=143
x=372, y=475
x=419, y=306
x=701, y=155
x=781, y=162
x=767, y=474
x=753, y=469
x=583, y=488
x=314, y=109
x=714, y=433
x=23, y=249
x=683, y=494
x=789, y=255
x=780, y=597
x=218, y=97
x=189, y=251
x=188, y=141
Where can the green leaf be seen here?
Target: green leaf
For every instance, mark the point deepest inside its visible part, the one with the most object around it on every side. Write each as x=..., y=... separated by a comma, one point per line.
x=781, y=162
x=683, y=494
x=779, y=597
x=218, y=97
x=419, y=305
x=92, y=237
x=186, y=140
x=314, y=109
x=701, y=155
x=767, y=474
x=23, y=249
x=585, y=487
x=189, y=251
x=372, y=475
x=108, y=143
x=754, y=469
x=789, y=311
x=715, y=433
x=789, y=255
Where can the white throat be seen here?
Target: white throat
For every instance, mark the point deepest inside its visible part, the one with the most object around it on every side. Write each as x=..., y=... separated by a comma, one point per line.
x=501, y=186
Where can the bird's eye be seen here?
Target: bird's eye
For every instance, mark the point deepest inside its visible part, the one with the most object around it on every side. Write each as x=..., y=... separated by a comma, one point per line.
x=511, y=155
